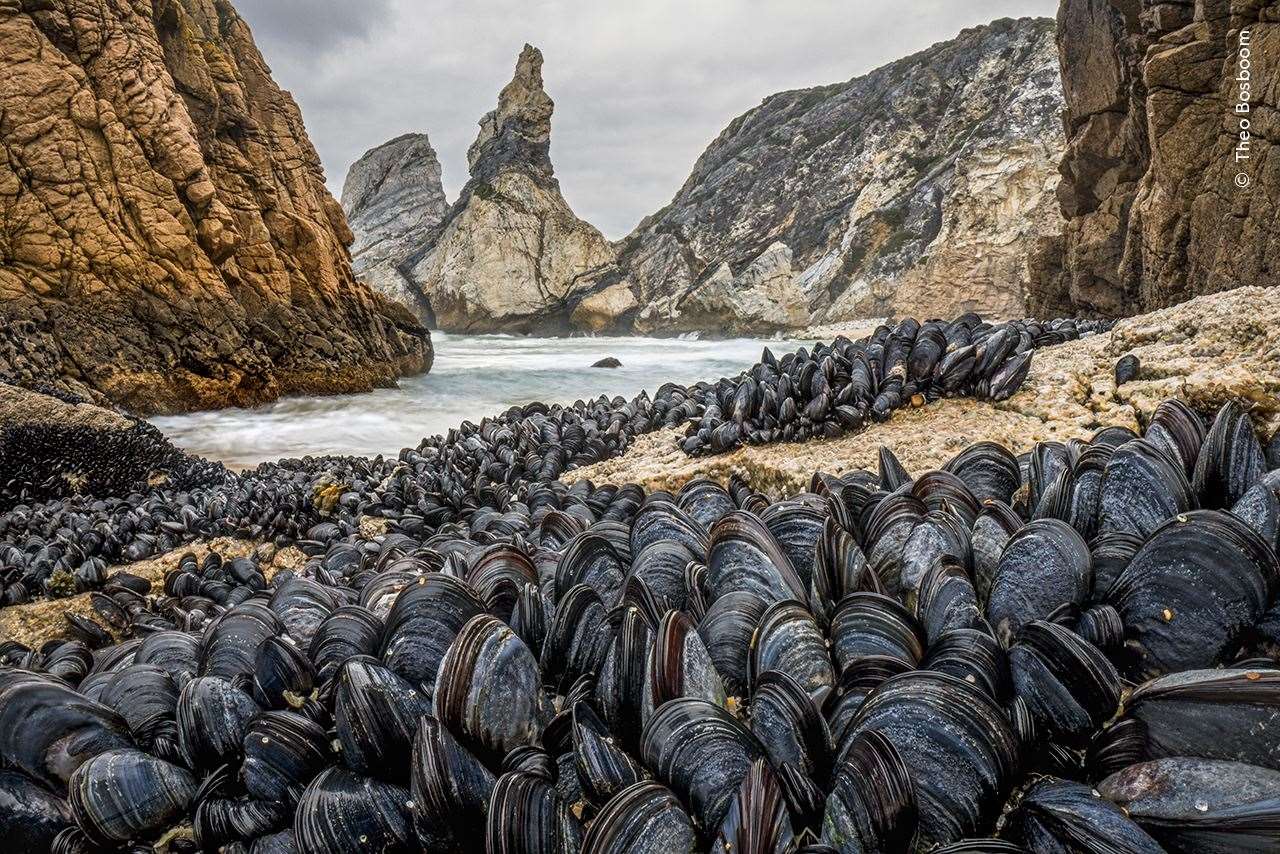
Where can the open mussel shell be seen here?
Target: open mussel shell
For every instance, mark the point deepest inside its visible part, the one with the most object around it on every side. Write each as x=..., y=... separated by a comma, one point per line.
x=47, y=730
x=489, y=691
x=1230, y=460
x=788, y=640
x=451, y=790
x=701, y=752
x=1061, y=817
x=1069, y=686
x=526, y=817
x=1200, y=806
x=126, y=794
x=283, y=752
x=1142, y=487
x=727, y=630
x=955, y=741
x=679, y=666
x=872, y=805
x=757, y=822
x=343, y=812
x=790, y=726
x=743, y=555
x=30, y=815
x=1191, y=591
x=1212, y=714
x=645, y=818
x=375, y=714
x=1044, y=566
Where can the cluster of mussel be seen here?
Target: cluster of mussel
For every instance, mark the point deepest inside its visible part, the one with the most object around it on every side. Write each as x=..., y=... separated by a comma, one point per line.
x=56, y=546
x=1075, y=650
x=63, y=546
x=843, y=386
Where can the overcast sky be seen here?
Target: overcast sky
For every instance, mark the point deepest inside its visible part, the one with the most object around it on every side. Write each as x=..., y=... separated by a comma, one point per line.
x=640, y=87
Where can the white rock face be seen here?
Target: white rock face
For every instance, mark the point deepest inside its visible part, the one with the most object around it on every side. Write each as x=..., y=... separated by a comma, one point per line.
x=510, y=255
x=919, y=188
x=393, y=196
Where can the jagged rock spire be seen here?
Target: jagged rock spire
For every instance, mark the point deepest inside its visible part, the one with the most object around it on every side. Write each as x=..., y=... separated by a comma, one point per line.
x=518, y=132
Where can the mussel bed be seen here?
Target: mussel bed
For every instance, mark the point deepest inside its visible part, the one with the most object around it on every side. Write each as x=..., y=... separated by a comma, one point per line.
x=1069, y=649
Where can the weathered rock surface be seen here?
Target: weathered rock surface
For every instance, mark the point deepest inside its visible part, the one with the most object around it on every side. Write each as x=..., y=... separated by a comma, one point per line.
x=916, y=189
x=509, y=254
x=1151, y=181
x=166, y=239
x=392, y=196
x=36, y=622
x=1205, y=352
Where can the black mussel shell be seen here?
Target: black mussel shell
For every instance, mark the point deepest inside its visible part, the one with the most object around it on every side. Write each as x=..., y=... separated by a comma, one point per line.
x=645, y=818
x=702, y=753
x=961, y=753
x=872, y=805
x=283, y=752
x=30, y=815
x=1069, y=686
x=451, y=790
x=1044, y=566
x=375, y=714
x=757, y=822
x=126, y=794
x=1200, y=806
x=1191, y=591
x=343, y=812
x=1060, y=817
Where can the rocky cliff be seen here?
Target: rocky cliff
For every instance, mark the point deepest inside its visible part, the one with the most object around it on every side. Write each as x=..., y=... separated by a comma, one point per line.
x=166, y=240
x=509, y=254
x=1164, y=197
x=392, y=196
x=916, y=189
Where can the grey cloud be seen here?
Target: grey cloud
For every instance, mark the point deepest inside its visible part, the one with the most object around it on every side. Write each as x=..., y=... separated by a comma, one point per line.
x=640, y=87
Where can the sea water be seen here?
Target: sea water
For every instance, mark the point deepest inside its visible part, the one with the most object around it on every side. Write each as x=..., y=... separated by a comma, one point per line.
x=473, y=376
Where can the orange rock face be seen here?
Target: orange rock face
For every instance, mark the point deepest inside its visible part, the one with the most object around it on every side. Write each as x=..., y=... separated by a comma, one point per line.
x=166, y=239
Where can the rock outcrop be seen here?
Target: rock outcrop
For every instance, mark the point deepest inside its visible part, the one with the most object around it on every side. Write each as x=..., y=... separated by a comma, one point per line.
x=392, y=196
x=916, y=189
x=55, y=446
x=166, y=239
x=509, y=254
x=1159, y=205
x=1205, y=352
